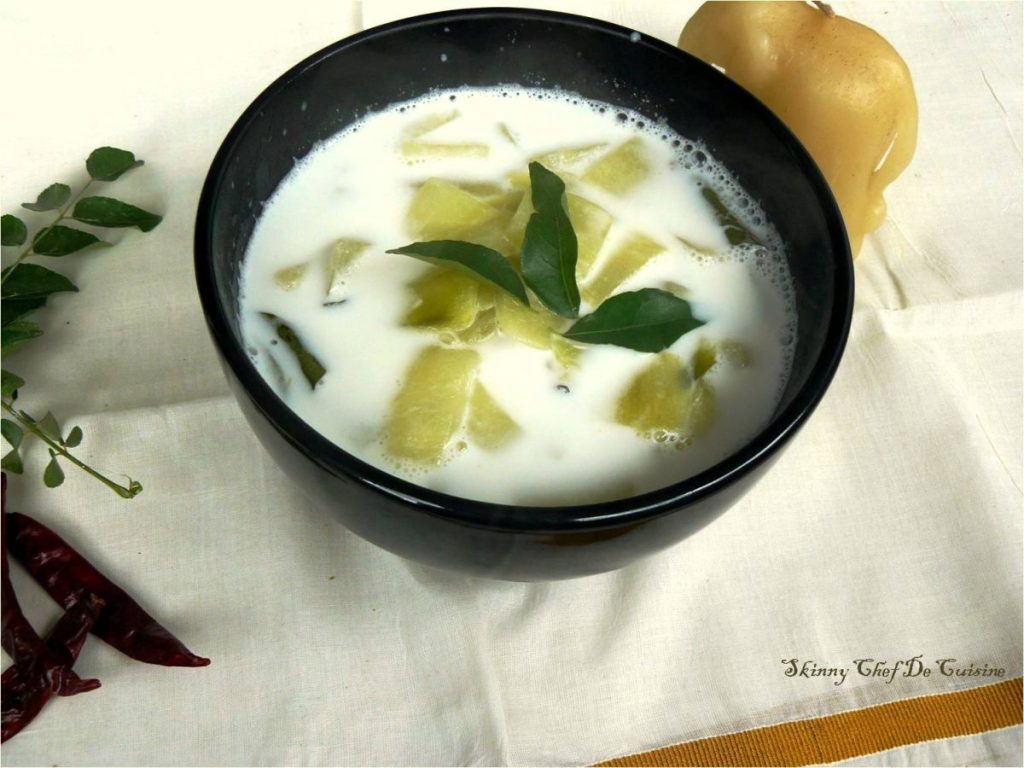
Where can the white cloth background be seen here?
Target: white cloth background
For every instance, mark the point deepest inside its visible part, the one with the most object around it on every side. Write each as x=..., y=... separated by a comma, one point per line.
x=890, y=528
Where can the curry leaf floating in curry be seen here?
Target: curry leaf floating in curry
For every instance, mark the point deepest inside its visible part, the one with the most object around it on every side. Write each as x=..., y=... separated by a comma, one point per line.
x=648, y=320
x=734, y=231
x=476, y=260
x=312, y=369
x=550, y=249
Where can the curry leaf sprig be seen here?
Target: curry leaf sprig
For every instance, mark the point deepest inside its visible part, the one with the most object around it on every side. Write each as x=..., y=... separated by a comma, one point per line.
x=647, y=320
x=26, y=287
x=550, y=249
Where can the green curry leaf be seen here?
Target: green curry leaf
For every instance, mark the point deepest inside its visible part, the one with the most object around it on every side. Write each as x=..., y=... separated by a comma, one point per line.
x=108, y=212
x=472, y=259
x=9, y=384
x=50, y=199
x=12, y=230
x=14, y=335
x=109, y=163
x=59, y=240
x=734, y=231
x=648, y=320
x=550, y=249
x=311, y=367
x=27, y=281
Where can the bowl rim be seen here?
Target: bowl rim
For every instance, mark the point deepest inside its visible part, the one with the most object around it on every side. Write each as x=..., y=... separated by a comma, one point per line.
x=510, y=517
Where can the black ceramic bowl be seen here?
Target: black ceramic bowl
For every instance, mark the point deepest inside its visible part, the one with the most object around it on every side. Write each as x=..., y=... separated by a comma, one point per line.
x=334, y=87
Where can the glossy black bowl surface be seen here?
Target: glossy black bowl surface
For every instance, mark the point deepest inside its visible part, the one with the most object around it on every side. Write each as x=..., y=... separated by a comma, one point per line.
x=396, y=62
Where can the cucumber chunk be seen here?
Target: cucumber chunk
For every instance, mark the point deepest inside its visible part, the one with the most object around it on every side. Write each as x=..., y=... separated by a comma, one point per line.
x=655, y=402
x=485, y=326
x=567, y=354
x=490, y=426
x=570, y=159
x=735, y=353
x=288, y=278
x=709, y=354
x=430, y=405
x=516, y=228
x=425, y=150
x=343, y=255
x=446, y=301
x=631, y=254
x=621, y=169
x=704, y=358
x=530, y=325
x=591, y=223
x=427, y=124
x=702, y=410
x=665, y=404
x=441, y=210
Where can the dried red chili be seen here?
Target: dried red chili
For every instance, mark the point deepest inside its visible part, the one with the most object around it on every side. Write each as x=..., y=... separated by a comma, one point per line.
x=92, y=603
x=31, y=655
x=24, y=694
x=19, y=639
x=70, y=579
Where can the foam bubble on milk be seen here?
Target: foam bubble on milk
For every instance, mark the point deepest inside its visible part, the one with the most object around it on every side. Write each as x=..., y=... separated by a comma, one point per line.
x=560, y=462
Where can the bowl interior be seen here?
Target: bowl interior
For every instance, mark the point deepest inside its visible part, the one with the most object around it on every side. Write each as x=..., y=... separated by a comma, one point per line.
x=397, y=62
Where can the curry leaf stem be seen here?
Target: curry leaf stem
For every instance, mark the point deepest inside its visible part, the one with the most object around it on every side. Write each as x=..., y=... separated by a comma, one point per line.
x=29, y=425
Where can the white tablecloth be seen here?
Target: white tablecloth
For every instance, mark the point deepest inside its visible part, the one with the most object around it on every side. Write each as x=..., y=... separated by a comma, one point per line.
x=891, y=526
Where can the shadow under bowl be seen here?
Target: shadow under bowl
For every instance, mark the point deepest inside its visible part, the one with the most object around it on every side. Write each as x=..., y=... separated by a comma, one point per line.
x=397, y=62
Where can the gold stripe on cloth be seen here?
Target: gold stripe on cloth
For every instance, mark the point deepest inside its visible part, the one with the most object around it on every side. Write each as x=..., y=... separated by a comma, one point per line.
x=849, y=734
